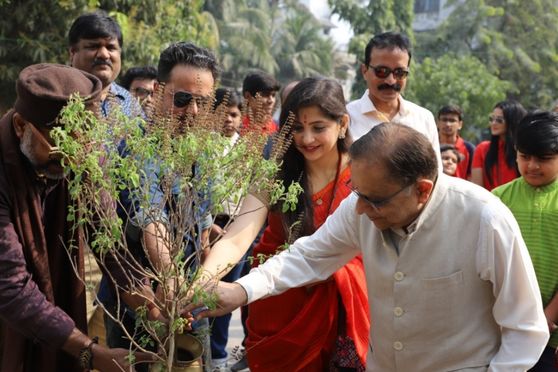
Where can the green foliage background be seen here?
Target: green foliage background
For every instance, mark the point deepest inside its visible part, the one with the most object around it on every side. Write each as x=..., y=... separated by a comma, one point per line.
x=516, y=40
x=36, y=31
x=482, y=45
x=458, y=80
x=280, y=37
x=485, y=51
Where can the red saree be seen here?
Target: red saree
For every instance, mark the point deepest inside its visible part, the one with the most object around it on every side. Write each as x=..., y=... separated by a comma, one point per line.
x=297, y=330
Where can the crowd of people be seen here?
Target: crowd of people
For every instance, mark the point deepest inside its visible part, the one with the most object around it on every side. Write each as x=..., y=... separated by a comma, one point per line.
x=414, y=250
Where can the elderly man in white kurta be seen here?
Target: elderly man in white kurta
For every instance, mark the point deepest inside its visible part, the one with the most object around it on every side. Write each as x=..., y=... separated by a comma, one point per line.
x=450, y=282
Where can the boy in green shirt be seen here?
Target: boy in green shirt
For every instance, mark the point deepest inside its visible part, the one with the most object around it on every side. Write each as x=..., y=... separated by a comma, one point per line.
x=533, y=200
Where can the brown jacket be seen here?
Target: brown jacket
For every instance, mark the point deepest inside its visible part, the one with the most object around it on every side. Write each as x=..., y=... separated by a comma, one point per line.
x=41, y=299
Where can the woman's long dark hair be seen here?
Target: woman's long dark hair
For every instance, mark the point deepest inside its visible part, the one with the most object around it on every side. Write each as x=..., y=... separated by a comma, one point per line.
x=513, y=113
x=327, y=95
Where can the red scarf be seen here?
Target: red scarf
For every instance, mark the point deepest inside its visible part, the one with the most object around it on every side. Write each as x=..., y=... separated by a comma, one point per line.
x=296, y=330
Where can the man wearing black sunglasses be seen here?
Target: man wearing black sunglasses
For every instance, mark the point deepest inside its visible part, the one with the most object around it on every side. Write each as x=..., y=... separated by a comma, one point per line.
x=186, y=75
x=385, y=68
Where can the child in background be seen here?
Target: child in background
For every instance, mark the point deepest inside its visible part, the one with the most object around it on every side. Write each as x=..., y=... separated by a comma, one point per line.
x=231, y=127
x=449, y=122
x=450, y=159
x=533, y=200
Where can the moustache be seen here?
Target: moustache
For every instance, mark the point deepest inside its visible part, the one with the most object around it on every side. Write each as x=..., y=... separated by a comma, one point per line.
x=100, y=62
x=396, y=87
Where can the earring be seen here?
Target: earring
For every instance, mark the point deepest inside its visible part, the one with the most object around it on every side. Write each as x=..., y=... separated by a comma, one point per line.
x=341, y=135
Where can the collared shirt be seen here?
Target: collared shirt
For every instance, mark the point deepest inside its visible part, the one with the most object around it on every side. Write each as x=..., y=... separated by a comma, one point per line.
x=536, y=212
x=121, y=98
x=365, y=116
x=459, y=281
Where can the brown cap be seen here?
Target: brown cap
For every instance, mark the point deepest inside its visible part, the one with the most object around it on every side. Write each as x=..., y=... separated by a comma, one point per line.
x=44, y=89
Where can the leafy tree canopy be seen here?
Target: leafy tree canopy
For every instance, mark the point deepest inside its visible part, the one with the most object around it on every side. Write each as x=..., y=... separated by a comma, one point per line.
x=516, y=40
x=460, y=80
x=282, y=38
x=36, y=31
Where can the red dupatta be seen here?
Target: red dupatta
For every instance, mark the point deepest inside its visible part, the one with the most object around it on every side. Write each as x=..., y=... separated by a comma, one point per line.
x=297, y=330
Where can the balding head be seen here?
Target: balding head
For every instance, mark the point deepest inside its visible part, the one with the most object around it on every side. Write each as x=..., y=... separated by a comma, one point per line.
x=406, y=154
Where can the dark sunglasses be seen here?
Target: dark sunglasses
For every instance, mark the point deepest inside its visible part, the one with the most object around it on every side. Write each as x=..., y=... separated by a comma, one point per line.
x=383, y=72
x=183, y=99
x=496, y=119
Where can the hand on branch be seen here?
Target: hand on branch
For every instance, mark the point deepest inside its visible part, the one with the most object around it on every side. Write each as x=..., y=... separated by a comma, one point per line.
x=230, y=296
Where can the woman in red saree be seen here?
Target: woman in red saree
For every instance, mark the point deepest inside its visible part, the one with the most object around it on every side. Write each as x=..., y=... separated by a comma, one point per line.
x=323, y=326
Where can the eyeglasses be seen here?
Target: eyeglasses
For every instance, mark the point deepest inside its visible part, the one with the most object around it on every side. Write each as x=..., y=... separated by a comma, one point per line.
x=142, y=92
x=54, y=152
x=183, y=99
x=383, y=72
x=444, y=119
x=377, y=204
x=496, y=119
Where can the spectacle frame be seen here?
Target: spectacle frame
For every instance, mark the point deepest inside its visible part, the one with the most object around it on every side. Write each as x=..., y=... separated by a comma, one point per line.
x=496, y=119
x=377, y=204
x=142, y=92
x=54, y=152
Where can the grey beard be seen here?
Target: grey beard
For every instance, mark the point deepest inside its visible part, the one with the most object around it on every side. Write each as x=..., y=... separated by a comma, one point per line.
x=26, y=148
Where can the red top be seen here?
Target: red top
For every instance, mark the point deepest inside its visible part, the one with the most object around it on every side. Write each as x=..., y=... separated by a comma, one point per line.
x=501, y=171
x=268, y=128
x=296, y=330
x=462, y=166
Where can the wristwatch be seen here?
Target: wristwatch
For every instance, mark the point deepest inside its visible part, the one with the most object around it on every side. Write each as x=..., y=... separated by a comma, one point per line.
x=86, y=355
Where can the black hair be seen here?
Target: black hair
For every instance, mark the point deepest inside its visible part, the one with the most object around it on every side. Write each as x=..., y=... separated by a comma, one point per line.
x=406, y=153
x=451, y=109
x=259, y=82
x=185, y=53
x=327, y=95
x=133, y=73
x=447, y=147
x=537, y=134
x=513, y=113
x=230, y=96
x=93, y=26
x=387, y=40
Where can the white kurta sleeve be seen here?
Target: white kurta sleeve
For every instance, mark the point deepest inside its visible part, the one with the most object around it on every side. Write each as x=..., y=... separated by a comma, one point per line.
x=309, y=259
x=503, y=259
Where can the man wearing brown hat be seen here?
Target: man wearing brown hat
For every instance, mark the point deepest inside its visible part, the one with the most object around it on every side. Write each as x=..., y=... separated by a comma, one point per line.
x=42, y=302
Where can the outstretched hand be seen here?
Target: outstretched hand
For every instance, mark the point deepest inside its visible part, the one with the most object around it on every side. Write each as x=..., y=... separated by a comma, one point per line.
x=229, y=297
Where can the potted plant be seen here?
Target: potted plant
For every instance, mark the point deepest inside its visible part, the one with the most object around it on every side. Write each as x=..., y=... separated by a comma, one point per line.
x=168, y=171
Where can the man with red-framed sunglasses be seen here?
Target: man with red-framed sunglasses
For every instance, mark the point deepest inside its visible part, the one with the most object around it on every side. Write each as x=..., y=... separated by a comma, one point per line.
x=385, y=69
